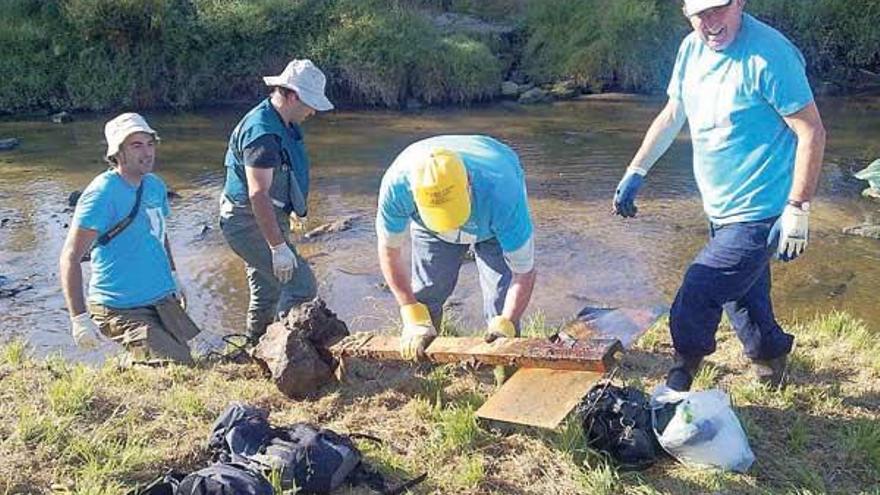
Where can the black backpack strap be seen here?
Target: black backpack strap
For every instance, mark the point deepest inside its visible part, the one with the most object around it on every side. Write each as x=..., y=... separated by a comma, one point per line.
x=125, y=222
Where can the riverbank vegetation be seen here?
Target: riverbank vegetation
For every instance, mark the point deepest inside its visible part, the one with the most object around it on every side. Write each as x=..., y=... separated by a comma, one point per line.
x=71, y=429
x=103, y=54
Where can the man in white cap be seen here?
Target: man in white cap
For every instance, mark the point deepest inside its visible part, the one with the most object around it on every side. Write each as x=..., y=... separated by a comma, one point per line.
x=267, y=179
x=758, y=143
x=456, y=192
x=134, y=294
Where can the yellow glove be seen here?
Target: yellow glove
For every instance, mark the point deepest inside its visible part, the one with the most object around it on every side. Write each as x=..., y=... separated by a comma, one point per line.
x=418, y=331
x=500, y=326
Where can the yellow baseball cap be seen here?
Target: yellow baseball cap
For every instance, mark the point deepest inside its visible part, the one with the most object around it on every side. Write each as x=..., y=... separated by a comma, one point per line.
x=440, y=189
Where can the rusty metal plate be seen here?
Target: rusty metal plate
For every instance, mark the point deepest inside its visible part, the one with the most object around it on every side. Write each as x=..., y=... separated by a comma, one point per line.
x=624, y=324
x=538, y=397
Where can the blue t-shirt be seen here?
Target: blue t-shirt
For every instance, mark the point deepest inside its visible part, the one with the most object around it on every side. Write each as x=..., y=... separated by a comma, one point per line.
x=133, y=268
x=735, y=100
x=499, y=205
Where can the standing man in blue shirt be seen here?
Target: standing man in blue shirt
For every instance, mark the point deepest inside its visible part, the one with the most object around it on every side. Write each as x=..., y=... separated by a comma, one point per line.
x=458, y=191
x=120, y=219
x=267, y=179
x=758, y=143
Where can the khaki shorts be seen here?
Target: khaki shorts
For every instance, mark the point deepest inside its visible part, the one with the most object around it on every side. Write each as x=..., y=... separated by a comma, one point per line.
x=150, y=333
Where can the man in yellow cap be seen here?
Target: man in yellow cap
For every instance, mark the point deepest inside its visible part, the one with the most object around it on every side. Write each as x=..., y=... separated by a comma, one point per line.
x=459, y=191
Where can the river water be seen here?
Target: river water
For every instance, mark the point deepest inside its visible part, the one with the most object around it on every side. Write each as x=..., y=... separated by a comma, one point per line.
x=573, y=152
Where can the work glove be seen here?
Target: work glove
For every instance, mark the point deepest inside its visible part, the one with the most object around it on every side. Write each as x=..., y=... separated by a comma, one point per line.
x=792, y=230
x=86, y=334
x=418, y=331
x=500, y=326
x=283, y=262
x=178, y=290
x=625, y=195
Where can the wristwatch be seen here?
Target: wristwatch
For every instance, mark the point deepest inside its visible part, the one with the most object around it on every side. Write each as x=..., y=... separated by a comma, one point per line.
x=804, y=206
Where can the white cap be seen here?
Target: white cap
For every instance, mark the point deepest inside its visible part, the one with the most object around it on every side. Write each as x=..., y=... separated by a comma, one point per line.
x=307, y=80
x=122, y=126
x=694, y=7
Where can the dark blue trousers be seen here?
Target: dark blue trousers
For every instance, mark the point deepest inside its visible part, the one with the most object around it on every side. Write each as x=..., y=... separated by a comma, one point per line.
x=731, y=273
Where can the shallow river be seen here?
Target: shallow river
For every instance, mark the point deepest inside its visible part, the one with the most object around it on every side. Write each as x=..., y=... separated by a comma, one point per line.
x=573, y=153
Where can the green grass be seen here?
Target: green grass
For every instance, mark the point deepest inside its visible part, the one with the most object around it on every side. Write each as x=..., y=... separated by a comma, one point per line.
x=105, y=430
x=14, y=353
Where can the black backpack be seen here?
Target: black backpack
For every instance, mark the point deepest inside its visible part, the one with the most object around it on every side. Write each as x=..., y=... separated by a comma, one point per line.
x=225, y=479
x=312, y=459
x=617, y=421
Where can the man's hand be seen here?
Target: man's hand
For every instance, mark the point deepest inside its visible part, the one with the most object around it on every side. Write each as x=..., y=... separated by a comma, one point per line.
x=625, y=195
x=283, y=262
x=792, y=230
x=418, y=331
x=500, y=326
x=85, y=333
x=178, y=290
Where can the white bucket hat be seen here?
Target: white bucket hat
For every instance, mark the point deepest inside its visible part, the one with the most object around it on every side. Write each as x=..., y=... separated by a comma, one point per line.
x=307, y=80
x=122, y=126
x=694, y=7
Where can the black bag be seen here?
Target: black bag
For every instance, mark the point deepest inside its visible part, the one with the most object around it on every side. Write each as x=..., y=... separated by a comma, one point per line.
x=239, y=433
x=315, y=460
x=617, y=422
x=163, y=485
x=225, y=479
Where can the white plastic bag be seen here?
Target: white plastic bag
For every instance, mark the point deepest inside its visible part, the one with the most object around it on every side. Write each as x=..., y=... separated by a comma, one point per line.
x=704, y=430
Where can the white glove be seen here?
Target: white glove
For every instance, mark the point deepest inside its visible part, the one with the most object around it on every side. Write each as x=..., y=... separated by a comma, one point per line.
x=86, y=334
x=178, y=290
x=283, y=262
x=418, y=331
x=793, y=229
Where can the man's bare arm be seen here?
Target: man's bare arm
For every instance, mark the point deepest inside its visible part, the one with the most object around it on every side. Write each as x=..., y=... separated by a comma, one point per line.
x=807, y=125
x=75, y=246
x=259, y=182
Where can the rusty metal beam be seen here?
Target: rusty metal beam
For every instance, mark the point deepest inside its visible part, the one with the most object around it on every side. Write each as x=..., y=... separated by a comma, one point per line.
x=589, y=355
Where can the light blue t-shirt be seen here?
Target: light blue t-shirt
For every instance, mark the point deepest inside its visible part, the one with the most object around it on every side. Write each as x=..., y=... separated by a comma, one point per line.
x=499, y=204
x=735, y=100
x=133, y=268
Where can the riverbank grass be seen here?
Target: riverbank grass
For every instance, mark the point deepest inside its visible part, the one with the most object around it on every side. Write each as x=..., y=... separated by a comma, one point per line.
x=68, y=428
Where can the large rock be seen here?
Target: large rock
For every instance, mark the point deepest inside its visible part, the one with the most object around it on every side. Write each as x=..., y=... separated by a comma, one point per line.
x=294, y=351
x=534, y=95
x=564, y=90
x=509, y=88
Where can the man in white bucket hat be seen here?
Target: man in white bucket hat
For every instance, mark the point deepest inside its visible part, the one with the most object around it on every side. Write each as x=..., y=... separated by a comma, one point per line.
x=134, y=294
x=758, y=143
x=267, y=179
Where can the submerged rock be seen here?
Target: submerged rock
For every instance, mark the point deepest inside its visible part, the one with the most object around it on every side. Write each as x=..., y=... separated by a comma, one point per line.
x=61, y=118
x=9, y=144
x=339, y=225
x=871, y=193
x=294, y=351
x=870, y=231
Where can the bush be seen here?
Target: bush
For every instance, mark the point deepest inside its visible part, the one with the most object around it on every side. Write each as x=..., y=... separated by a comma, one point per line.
x=103, y=54
x=626, y=44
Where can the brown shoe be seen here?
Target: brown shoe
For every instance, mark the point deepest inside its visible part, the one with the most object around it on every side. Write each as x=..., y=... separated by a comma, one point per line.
x=770, y=372
x=682, y=373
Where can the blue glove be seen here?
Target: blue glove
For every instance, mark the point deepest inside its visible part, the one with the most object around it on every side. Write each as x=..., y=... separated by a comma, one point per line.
x=625, y=195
